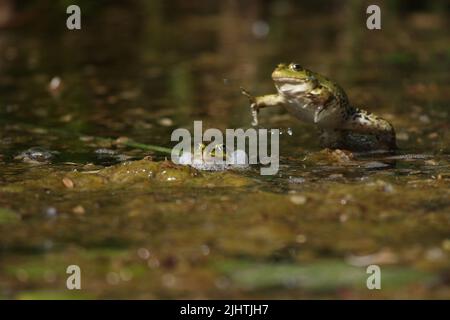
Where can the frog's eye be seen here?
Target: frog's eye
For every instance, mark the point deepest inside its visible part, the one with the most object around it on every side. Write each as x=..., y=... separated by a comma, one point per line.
x=296, y=67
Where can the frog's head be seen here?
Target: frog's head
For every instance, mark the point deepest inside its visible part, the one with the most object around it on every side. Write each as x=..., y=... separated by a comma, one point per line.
x=293, y=79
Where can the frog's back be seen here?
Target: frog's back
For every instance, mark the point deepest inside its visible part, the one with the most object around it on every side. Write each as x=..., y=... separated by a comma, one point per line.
x=333, y=87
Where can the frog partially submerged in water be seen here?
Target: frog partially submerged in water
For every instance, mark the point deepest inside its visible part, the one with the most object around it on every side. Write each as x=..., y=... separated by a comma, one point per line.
x=315, y=99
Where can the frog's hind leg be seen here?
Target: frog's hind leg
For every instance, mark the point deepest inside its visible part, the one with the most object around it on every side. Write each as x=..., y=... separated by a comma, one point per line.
x=364, y=122
x=332, y=138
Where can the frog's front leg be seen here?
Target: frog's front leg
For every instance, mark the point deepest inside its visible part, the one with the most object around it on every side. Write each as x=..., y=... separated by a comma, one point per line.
x=256, y=103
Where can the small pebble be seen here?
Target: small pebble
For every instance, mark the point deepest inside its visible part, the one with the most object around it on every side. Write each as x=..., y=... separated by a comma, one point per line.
x=434, y=254
x=341, y=156
x=66, y=118
x=424, y=118
x=300, y=238
x=298, y=199
x=122, y=140
x=55, y=84
x=205, y=249
x=446, y=244
x=68, y=183
x=165, y=122
x=431, y=162
x=79, y=210
x=51, y=212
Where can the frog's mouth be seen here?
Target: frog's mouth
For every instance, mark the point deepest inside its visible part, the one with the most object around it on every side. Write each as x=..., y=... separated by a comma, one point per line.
x=293, y=87
x=288, y=80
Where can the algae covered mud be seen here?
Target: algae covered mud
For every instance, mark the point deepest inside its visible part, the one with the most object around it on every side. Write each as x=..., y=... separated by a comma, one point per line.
x=85, y=124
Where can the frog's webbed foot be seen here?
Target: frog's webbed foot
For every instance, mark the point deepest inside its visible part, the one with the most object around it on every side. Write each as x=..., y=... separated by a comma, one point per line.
x=253, y=106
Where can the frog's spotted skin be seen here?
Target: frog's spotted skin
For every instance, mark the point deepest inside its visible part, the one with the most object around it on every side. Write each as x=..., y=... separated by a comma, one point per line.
x=315, y=99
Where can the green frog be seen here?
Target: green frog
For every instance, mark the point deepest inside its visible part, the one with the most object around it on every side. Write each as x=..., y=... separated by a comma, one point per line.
x=316, y=99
